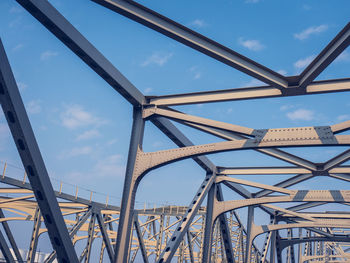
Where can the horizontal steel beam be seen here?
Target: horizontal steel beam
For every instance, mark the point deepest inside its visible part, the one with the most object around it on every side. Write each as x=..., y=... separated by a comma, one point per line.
x=186, y=36
x=261, y=170
x=58, y=25
x=317, y=87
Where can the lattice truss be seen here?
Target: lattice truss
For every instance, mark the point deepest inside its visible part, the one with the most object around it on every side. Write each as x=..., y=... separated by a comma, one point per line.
x=195, y=233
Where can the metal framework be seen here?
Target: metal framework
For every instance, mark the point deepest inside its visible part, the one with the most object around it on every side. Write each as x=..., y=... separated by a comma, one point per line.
x=213, y=233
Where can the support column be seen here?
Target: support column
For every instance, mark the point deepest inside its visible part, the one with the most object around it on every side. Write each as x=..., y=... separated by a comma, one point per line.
x=209, y=223
x=35, y=236
x=250, y=222
x=129, y=191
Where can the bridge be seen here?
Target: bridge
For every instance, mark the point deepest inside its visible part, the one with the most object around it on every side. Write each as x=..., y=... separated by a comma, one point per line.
x=209, y=228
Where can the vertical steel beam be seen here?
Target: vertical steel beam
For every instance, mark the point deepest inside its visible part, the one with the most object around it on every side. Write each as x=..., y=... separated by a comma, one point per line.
x=35, y=236
x=140, y=239
x=225, y=230
x=209, y=223
x=129, y=191
x=105, y=236
x=33, y=163
x=11, y=238
x=249, y=241
x=190, y=249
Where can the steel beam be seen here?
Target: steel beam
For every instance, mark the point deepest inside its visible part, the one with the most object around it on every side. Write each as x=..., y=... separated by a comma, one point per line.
x=11, y=238
x=129, y=190
x=140, y=239
x=184, y=224
x=35, y=235
x=5, y=249
x=186, y=36
x=105, y=236
x=91, y=234
x=49, y=17
x=262, y=92
x=33, y=163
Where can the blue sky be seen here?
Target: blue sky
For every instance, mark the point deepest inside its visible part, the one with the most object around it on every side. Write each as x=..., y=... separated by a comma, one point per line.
x=83, y=126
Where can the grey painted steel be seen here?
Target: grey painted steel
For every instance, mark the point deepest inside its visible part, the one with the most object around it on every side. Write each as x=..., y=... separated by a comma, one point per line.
x=184, y=224
x=5, y=249
x=129, y=191
x=327, y=55
x=180, y=33
x=47, y=15
x=35, y=236
x=29, y=152
x=104, y=233
x=91, y=236
x=209, y=225
x=261, y=92
x=140, y=239
x=72, y=233
x=11, y=238
x=225, y=231
x=249, y=241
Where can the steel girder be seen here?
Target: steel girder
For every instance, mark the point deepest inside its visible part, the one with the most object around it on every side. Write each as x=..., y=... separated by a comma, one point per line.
x=140, y=163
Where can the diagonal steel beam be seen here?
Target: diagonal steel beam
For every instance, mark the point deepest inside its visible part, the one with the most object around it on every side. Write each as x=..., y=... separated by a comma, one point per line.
x=328, y=54
x=49, y=17
x=181, y=229
x=186, y=36
x=11, y=238
x=33, y=163
x=140, y=239
x=35, y=236
x=337, y=160
x=105, y=236
x=6, y=252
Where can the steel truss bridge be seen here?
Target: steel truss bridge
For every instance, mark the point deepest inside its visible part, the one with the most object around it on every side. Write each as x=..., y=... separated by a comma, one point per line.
x=210, y=232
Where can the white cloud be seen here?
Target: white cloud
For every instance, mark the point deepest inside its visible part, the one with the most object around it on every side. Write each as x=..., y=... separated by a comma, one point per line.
x=301, y=114
x=198, y=23
x=157, y=58
x=17, y=47
x=253, y=83
x=286, y=107
x=251, y=44
x=90, y=134
x=313, y=30
x=77, y=151
x=148, y=90
x=196, y=73
x=34, y=107
x=343, y=117
x=302, y=63
x=22, y=86
x=15, y=10
x=282, y=72
x=47, y=55
x=111, y=166
x=75, y=116
x=343, y=57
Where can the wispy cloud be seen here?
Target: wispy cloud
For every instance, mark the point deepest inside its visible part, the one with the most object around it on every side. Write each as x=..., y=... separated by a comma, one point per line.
x=75, y=116
x=198, y=23
x=251, y=44
x=282, y=72
x=17, y=47
x=301, y=114
x=343, y=117
x=157, y=58
x=302, y=63
x=252, y=1
x=76, y=151
x=196, y=73
x=22, y=86
x=148, y=90
x=15, y=10
x=112, y=165
x=313, y=30
x=90, y=134
x=34, y=107
x=47, y=55
x=253, y=83
x=343, y=57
